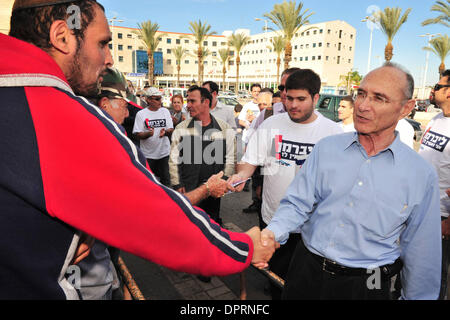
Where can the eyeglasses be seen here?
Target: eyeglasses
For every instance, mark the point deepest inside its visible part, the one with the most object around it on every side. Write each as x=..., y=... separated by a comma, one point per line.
x=438, y=86
x=281, y=87
x=376, y=100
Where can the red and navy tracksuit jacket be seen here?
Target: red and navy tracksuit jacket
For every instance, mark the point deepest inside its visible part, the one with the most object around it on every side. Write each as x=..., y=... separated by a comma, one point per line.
x=65, y=166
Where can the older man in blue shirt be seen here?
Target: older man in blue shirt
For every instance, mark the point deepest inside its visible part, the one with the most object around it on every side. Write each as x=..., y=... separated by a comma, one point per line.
x=366, y=204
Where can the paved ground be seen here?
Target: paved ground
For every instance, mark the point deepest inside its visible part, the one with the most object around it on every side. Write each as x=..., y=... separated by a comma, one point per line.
x=159, y=283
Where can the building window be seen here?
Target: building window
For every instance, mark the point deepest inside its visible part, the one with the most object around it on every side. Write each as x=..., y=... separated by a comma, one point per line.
x=328, y=44
x=169, y=50
x=320, y=44
x=338, y=60
x=349, y=60
x=205, y=43
x=340, y=34
x=306, y=58
x=120, y=58
x=321, y=31
x=169, y=41
x=169, y=61
x=186, y=61
x=329, y=31
x=319, y=57
x=314, y=45
x=177, y=41
x=313, y=58
x=339, y=46
x=301, y=59
x=186, y=41
x=351, y=36
x=315, y=32
x=120, y=35
x=129, y=36
x=110, y=46
x=214, y=44
x=130, y=47
x=326, y=58
x=120, y=47
x=350, y=48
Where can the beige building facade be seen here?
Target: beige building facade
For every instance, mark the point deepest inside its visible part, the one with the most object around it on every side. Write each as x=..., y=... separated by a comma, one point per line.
x=327, y=48
x=5, y=15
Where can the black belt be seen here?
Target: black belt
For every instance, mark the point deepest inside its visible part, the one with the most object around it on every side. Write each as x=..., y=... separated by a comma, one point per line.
x=332, y=267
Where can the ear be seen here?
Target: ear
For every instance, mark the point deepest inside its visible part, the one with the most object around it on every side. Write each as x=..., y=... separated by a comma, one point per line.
x=62, y=38
x=316, y=99
x=407, y=108
x=104, y=103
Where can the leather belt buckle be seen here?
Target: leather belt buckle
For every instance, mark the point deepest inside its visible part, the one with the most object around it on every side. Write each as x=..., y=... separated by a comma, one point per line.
x=325, y=265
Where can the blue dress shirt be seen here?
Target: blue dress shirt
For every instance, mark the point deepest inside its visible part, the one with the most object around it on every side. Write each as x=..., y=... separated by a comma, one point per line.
x=365, y=212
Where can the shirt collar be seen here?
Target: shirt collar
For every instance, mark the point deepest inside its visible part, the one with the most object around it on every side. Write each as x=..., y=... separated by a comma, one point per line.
x=394, y=148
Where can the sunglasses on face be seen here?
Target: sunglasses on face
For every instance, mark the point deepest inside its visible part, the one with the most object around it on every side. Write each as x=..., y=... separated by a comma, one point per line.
x=281, y=87
x=440, y=86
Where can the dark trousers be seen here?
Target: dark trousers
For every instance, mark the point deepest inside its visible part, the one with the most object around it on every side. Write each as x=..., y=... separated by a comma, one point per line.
x=212, y=207
x=445, y=264
x=160, y=167
x=307, y=281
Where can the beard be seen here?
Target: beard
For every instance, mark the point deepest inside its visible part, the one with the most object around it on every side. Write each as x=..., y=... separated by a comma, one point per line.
x=306, y=116
x=75, y=78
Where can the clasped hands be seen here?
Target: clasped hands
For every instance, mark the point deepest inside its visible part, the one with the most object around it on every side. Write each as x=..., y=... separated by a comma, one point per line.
x=264, y=246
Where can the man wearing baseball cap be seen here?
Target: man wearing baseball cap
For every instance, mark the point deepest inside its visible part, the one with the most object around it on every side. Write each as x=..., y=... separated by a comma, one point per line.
x=113, y=95
x=153, y=127
x=70, y=169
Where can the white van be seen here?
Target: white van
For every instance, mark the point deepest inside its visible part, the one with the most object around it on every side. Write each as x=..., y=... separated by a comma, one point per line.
x=170, y=92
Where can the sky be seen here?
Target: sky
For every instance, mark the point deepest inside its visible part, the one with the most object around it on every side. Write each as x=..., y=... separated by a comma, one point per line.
x=175, y=15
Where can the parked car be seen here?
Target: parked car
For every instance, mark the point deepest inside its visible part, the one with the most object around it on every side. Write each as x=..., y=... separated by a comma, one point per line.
x=168, y=93
x=421, y=105
x=228, y=101
x=328, y=106
x=229, y=94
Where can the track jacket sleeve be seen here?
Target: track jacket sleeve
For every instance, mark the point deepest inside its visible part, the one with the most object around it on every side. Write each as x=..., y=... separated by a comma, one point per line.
x=95, y=180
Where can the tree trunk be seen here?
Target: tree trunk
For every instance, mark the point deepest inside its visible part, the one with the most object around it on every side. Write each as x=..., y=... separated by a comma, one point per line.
x=287, y=55
x=151, y=68
x=388, y=52
x=238, y=62
x=200, y=63
x=178, y=75
x=278, y=69
x=441, y=68
x=224, y=72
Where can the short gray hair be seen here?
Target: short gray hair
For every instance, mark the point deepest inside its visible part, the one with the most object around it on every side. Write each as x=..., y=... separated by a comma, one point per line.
x=409, y=90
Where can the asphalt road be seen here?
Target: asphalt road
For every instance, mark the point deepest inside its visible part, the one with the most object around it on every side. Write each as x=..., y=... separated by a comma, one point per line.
x=156, y=283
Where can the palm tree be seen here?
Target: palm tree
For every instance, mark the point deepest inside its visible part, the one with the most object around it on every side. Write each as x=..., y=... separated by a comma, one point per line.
x=278, y=45
x=224, y=56
x=238, y=41
x=200, y=33
x=444, y=17
x=288, y=17
x=179, y=54
x=441, y=47
x=148, y=34
x=350, y=79
x=205, y=53
x=390, y=22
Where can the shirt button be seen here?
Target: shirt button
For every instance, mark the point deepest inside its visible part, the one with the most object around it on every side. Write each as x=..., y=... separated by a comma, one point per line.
x=360, y=183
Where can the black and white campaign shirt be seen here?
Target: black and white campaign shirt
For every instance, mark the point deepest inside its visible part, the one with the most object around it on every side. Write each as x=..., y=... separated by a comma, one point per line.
x=282, y=146
x=154, y=147
x=436, y=150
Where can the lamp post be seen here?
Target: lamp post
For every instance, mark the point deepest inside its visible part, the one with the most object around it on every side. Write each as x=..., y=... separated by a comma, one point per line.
x=265, y=47
x=430, y=36
x=369, y=19
x=111, y=21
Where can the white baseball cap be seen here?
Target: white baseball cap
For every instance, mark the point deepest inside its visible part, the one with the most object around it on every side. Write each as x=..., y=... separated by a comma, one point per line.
x=152, y=91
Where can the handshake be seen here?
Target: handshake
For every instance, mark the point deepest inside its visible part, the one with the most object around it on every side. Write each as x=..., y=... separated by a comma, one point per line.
x=264, y=245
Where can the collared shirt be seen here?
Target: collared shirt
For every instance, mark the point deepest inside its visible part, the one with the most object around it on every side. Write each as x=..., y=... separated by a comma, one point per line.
x=365, y=212
x=224, y=113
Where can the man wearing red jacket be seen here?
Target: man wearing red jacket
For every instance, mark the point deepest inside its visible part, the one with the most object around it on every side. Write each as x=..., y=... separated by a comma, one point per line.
x=65, y=167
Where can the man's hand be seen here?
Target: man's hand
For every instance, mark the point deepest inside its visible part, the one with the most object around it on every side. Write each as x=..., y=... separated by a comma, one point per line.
x=217, y=186
x=181, y=190
x=84, y=248
x=263, y=248
x=162, y=133
x=446, y=229
x=235, y=178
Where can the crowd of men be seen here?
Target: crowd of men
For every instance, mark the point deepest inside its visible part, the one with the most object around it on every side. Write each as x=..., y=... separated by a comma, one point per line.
x=344, y=208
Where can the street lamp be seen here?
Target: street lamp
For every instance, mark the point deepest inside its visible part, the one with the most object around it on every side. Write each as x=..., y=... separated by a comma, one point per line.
x=265, y=46
x=430, y=36
x=111, y=21
x=372, y=26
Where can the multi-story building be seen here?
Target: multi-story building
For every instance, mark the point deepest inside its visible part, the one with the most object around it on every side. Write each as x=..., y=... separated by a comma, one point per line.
x=327, y=48
x=5, y=15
